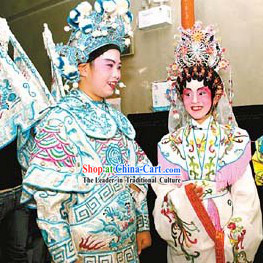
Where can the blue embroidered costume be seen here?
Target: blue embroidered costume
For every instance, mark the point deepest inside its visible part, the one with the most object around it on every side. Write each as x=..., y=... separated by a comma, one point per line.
x=83, y=218
x=97, y=222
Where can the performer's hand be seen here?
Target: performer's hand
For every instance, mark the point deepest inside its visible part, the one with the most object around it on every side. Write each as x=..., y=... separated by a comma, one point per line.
x=144, y=240
x=135, y=188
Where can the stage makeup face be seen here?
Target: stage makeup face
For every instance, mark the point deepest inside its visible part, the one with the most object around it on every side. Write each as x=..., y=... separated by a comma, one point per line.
x=197, y=100
x=100, y=77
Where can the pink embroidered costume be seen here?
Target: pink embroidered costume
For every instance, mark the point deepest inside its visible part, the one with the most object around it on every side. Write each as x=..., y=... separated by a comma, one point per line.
x=82, y=217
x=222, y=222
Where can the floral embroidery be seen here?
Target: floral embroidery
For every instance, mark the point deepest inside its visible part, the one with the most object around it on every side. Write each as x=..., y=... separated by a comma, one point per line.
x=175, y=141
x=194, y=166
x=205, y=156
x=200, y=143
x=236, y=237
x=201, y=158
x=181, y=231
x=231, y=138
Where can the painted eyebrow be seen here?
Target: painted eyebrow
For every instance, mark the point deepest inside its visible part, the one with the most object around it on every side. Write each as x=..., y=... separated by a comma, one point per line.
x=111, y=60
x=197, y=89
x=202, y=88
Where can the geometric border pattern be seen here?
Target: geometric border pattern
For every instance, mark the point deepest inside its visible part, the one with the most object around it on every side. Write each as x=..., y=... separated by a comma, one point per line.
x=127, y=255
x=96, y=202
x=63, y=252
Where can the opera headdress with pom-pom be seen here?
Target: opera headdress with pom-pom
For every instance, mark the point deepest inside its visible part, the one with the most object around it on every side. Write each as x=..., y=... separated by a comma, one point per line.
x=107, y=23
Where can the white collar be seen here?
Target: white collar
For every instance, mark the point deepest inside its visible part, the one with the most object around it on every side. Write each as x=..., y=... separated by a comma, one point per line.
x=204, y=125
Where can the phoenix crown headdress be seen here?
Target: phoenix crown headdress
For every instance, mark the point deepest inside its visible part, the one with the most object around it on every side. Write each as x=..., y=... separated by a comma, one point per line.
x=197, y=46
